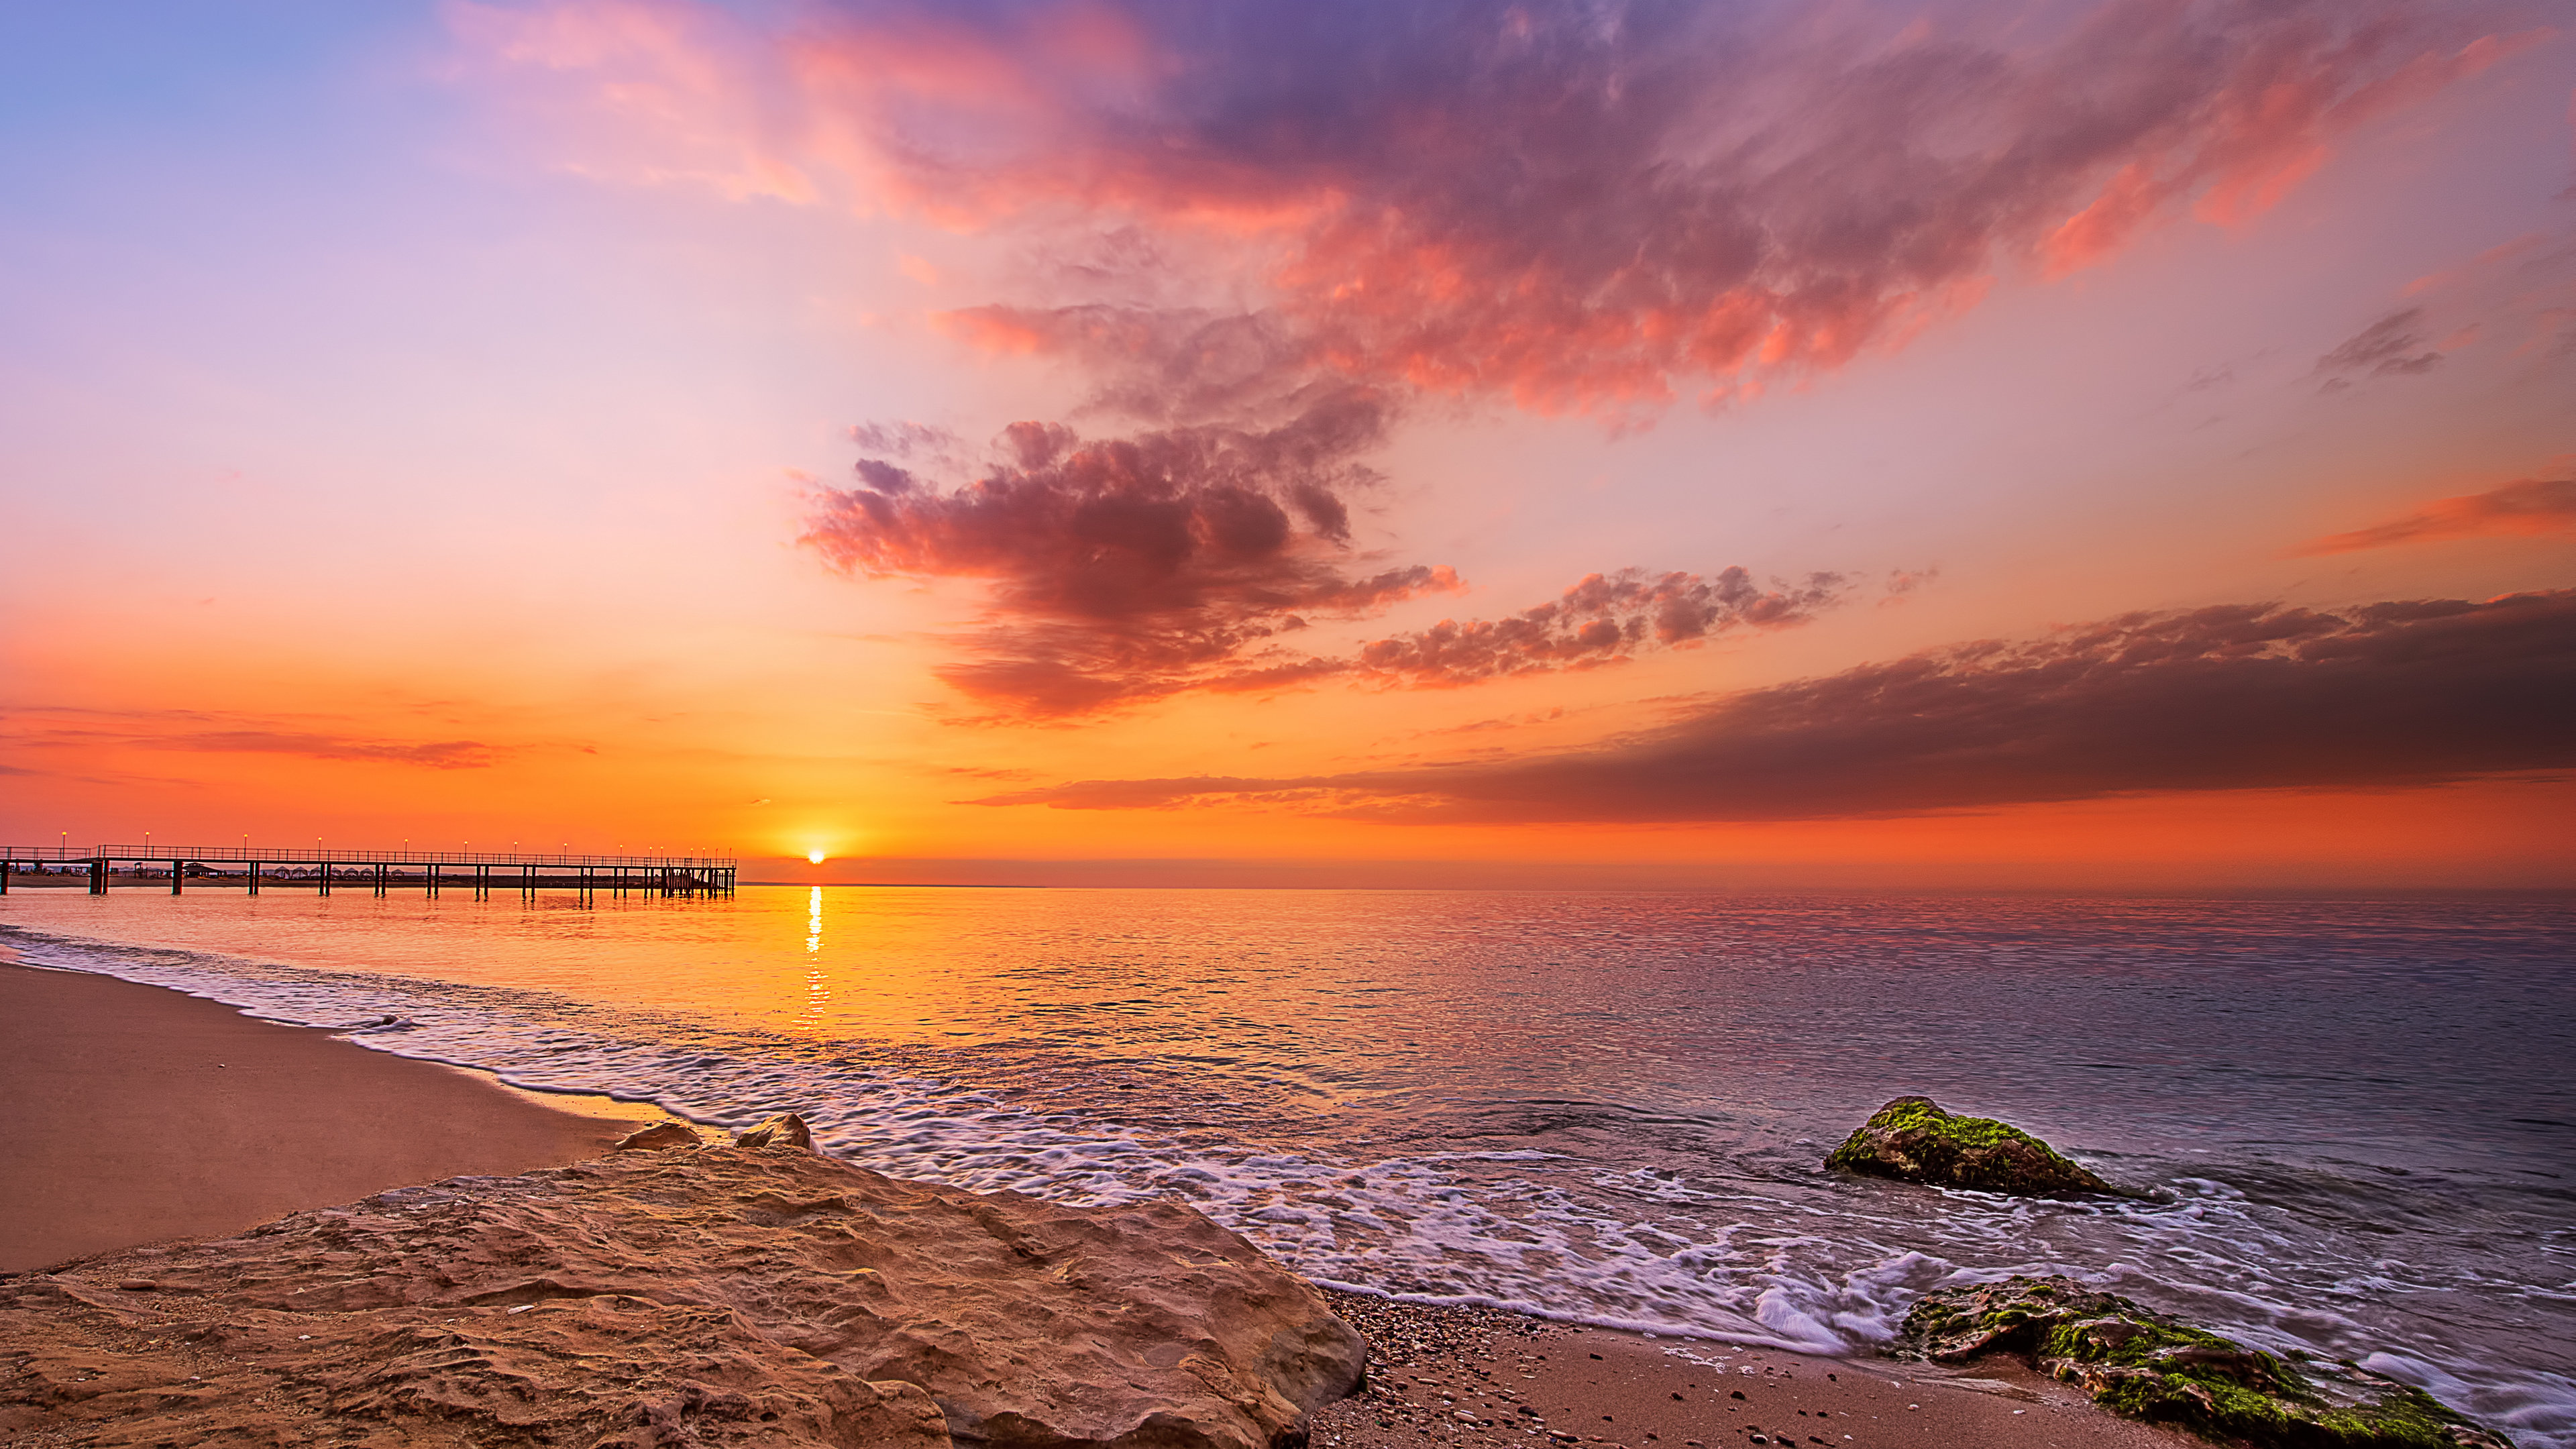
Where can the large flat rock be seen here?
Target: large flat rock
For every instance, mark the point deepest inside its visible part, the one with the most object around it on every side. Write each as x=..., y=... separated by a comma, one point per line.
x=710, y=1295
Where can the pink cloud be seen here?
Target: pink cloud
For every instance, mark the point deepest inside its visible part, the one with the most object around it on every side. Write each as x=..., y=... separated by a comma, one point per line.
x=2527, y=508
x=1577, y=213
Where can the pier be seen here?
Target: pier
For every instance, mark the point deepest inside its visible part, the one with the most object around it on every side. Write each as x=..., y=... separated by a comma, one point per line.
x=383, y=872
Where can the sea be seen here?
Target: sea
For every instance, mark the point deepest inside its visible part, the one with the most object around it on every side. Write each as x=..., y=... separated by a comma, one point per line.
x=2355, y=1116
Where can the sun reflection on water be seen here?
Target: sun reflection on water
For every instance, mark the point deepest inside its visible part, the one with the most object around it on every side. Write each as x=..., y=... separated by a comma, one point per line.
x=818, y=991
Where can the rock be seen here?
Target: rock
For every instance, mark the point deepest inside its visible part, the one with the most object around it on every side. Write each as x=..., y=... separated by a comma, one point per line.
x=784, y=1130
x=659, y=1135
x=1912, y=1140
x=2145, y=1365
x=713, y=1297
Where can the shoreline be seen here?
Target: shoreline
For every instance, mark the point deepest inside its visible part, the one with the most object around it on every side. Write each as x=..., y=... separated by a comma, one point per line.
x=140, y=1114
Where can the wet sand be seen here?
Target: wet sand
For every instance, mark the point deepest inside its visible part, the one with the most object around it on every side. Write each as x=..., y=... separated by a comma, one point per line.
x=136, y=1114
x=1475, y=1377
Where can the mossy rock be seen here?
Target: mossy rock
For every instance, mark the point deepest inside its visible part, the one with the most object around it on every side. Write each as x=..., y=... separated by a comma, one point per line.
x=2144, y=1365
x=1912, y=1140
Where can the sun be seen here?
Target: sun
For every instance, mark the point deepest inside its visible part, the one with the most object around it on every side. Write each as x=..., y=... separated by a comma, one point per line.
x=815, y=856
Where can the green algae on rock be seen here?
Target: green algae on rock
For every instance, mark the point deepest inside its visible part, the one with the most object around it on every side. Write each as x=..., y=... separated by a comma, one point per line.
x=2144, y=1365
x=1912, y=1140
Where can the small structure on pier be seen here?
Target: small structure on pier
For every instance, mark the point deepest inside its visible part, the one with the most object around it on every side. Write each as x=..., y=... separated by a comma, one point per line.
x=380, y=871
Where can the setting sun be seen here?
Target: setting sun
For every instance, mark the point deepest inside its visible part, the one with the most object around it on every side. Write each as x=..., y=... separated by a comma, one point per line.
x=816, y=856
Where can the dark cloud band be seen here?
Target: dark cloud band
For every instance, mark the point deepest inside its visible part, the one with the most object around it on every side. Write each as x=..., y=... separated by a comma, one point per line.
x=2232, y=697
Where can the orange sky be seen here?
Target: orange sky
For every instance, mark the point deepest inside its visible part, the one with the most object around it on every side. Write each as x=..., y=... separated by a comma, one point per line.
x=949, y=438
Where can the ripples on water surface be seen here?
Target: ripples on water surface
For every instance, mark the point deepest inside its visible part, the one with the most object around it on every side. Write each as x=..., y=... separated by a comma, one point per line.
x=1599, y=1106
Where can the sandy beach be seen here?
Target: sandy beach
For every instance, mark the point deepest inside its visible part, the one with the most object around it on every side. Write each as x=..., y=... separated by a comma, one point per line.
x=137, y=1114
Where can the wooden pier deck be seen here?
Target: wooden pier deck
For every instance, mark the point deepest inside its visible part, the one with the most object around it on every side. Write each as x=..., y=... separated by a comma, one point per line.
x=381, y=871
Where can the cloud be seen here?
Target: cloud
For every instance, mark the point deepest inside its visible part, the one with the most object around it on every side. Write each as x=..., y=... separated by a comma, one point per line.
x=2392, y=346
x=436, y=754
x=1262, y=233
x=2519, y=298
x=1602, y=619
x=1180, y=560
x=1600, y=211
x=1167, y=364
x=1129, y=568
x=2230, y=697
x=1580, y=208
x=2529, y=507
x=907, y=441
x=216, y=732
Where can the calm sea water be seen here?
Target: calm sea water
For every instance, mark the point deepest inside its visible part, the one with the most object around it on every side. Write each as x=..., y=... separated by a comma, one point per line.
x=2356, y=1114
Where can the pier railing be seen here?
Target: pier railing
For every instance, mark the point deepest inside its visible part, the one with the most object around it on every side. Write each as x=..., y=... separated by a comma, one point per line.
x=409, y=855
x=384, y=870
